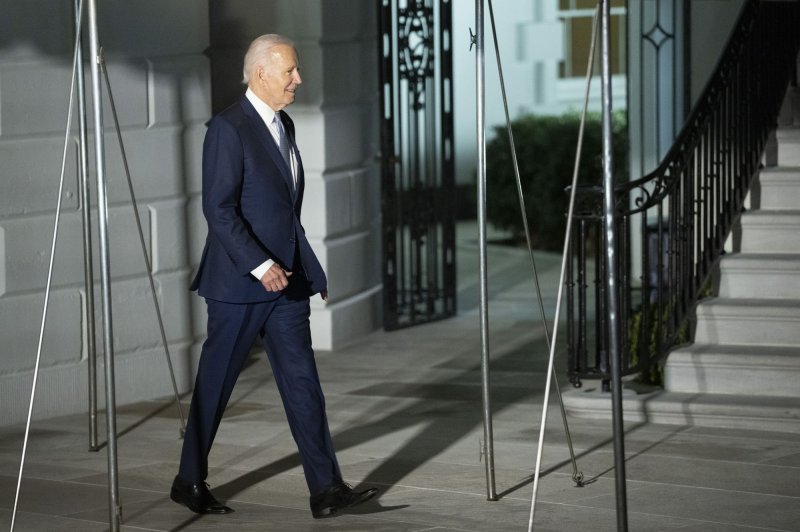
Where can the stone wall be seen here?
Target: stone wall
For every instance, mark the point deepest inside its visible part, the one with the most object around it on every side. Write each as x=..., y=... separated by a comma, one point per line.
x=171, y=64
x=336, y=117
x=160, y=82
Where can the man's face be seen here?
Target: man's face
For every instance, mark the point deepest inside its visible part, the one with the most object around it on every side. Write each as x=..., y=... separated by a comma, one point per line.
x=278, y=79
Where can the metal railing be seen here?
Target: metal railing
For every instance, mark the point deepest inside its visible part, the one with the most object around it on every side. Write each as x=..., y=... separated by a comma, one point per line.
x=671, y=225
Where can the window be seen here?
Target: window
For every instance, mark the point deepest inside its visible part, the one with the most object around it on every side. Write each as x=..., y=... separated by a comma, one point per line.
x=577, y=17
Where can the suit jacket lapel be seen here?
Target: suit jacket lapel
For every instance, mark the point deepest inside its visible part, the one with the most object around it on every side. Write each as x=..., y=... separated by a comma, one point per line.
x=267, y=141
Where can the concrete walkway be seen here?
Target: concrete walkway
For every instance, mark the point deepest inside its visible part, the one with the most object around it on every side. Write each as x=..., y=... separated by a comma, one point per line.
x=405, y=409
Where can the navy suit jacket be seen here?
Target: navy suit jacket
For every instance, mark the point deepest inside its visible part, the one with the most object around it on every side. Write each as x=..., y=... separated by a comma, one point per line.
x=252, y=209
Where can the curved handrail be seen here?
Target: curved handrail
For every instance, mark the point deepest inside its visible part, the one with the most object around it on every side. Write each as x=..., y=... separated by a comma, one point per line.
x=684, y=209
x=688, y=138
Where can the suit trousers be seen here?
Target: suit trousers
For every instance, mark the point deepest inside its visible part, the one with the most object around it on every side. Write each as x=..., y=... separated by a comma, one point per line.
x=283, y=326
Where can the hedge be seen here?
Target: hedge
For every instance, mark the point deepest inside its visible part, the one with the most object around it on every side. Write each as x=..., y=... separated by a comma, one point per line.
x=545, y=153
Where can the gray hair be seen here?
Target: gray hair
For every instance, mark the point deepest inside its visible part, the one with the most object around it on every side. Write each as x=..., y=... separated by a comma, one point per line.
x=257, y=55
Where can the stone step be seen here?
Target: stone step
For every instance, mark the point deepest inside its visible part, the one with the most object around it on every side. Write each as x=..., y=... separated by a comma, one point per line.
x=764, y=231
x=743, y=370
x=748, y=322
x=750, y=412
x=734, y=369
x=788, y=140
x=767, y=275
x=779, y=188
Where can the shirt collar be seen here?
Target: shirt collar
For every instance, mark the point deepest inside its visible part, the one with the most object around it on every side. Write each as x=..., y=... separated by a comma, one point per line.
x=264, y=111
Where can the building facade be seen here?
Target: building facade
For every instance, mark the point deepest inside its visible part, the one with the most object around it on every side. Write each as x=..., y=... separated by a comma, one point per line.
x=171, y=65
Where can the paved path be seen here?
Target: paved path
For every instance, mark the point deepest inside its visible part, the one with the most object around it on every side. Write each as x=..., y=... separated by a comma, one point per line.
x=405, y=410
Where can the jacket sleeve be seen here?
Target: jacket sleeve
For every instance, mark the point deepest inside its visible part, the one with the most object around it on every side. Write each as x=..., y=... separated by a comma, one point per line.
x=223, y=171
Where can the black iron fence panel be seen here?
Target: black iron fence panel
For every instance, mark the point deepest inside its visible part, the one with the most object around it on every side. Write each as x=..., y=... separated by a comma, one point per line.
x=672, y=224
x=418, y=182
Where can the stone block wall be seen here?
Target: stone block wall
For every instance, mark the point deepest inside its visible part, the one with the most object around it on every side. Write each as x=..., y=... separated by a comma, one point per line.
x=171, y=64
x=336, y=117
x=161, y=87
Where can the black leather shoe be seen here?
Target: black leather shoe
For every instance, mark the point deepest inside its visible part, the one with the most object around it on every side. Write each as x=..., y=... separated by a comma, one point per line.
x=338, y=497
x=197, y=497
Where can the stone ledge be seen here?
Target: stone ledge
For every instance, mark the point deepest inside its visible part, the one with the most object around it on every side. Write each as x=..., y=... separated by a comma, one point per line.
x=64, y=389
x=780, y=414
x=733, y=369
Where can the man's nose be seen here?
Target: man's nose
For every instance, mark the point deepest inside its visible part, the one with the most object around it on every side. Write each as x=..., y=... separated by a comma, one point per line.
x=297, y=78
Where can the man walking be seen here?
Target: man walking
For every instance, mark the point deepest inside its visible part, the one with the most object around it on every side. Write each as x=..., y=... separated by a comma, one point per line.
x=257, y=274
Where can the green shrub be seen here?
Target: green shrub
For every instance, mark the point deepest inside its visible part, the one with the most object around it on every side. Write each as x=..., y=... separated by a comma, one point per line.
x=546, y=154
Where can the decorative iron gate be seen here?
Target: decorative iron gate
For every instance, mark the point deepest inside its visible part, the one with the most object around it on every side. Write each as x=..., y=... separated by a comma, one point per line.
x=416, y=68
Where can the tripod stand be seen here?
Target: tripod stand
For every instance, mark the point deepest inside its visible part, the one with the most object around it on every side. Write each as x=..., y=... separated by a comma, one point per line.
x=97, y=65
x=603, y=16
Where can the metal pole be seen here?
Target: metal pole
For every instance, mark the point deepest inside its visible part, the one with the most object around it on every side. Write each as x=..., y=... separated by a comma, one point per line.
x=611, y=272
x=88, y=269
x=577, y=476
x=488, y=444
x=146, y=257
x=565, y=256
x=49, y=283
x=105, y=277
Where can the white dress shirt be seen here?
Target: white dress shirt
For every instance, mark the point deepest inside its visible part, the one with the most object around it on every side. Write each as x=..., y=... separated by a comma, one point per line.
x=267, y=115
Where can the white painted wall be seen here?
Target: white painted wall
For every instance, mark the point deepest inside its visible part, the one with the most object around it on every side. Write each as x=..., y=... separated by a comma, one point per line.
x=336, y=118
x=161, y=87
x=157, y=53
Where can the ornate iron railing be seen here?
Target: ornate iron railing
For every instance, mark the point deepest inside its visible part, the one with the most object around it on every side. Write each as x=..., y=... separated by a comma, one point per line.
x=672, y=224
x=418, y=165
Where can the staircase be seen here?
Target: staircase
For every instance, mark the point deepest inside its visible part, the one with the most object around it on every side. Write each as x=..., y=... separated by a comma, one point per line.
x=743, y=369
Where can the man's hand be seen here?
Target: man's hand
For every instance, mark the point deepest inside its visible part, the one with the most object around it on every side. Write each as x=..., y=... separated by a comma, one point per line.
x=324, y=295
x=275, y=279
